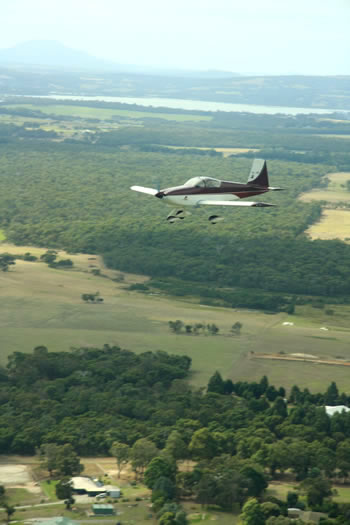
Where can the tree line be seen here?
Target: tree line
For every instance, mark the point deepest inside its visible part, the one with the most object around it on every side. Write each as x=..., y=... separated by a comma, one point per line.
x=141, y=410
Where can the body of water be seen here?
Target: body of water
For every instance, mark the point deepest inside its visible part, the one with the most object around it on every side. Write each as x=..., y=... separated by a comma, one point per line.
x=200, y=105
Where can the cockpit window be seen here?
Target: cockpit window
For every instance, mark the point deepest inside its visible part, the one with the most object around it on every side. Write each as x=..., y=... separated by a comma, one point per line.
x=212, y=183
x=203, y=182
x=197, y=182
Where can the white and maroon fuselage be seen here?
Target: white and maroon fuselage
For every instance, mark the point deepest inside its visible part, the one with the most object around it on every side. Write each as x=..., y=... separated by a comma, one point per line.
x=206, y=191
x=205, y=188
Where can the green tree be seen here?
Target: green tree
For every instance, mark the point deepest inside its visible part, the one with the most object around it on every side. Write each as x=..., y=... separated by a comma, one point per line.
x=316, y=490
x=175, y=446
x=255, y=480
x=280, y=407
x=158, y=467
x=342, y=455
x=48, y=456
x=168, y=518
x=252, y=513
x=176, y=326
x=332, y=394
x=202, y=444
x=142, y=452
x=164, y=489
x=49, y=257
x=236, y=328
x=216, y=383
x=197, y=327
x=213, y=329
x=9, y=509
x=64, y=489
x=5, y=261
x=67, y=461
x=121, y=453
x=270, y=509
x=292, y=499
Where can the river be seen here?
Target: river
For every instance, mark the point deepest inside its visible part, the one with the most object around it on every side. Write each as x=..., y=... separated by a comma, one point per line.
x=200, y=105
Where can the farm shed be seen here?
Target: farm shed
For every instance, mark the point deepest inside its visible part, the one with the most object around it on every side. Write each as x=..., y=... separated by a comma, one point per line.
x=84, y=485
x=330, y=411
x=105, y=509
x=112, y=491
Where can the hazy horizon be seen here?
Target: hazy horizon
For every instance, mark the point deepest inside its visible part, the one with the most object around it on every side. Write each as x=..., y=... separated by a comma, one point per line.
x=260, y=37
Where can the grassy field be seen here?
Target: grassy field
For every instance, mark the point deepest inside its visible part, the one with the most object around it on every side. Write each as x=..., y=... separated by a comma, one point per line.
x=43, y=306
x=49, y=489
x=334, y=224
x=105, y=114
x=335, y=192
x=335, y=220
x=226, y=152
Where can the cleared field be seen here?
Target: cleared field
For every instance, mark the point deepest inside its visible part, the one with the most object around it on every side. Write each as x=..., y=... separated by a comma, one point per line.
x=225, y=151
x=335, y=192
x=235, y=151
x=331, y=197
x=105, y=114
x=43, y=306
x=334, y=224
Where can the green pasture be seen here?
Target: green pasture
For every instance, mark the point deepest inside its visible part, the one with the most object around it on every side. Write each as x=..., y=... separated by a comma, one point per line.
x=280, y=489
x=196, y=514
x=49, y=511
x=105, y=114
x=43, y=306
x=21, y=496
x=19, y=120
x=343, y=494
x=49, y=489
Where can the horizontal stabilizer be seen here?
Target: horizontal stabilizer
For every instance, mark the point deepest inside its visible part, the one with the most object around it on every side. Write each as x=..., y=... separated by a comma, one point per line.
x=141, y=189
x=235, y=203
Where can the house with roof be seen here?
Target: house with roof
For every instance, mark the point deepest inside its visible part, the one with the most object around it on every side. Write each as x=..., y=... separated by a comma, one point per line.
x=85, y=485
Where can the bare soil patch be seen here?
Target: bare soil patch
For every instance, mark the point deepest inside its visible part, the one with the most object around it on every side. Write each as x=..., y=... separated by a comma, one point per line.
x=15, y=475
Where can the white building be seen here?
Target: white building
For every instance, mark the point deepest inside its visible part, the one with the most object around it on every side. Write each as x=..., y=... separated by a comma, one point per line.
x=330, y=411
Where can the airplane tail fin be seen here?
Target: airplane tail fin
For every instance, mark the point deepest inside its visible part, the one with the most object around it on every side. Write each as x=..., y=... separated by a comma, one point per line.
x=258, y=173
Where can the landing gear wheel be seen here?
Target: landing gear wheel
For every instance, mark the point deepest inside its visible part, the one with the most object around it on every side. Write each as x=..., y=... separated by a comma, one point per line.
x=213, y=219
x=175, y=215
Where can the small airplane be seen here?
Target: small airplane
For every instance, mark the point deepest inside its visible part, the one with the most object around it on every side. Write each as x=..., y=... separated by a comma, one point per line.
x=206, y=191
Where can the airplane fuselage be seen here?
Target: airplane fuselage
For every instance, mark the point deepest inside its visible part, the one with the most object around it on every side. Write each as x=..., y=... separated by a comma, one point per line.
x=192, y=196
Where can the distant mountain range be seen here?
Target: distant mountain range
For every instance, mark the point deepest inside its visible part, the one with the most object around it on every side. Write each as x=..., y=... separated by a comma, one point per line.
x=50, y=53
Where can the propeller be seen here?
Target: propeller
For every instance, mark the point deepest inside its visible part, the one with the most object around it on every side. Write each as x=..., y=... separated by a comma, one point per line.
x=156, y=183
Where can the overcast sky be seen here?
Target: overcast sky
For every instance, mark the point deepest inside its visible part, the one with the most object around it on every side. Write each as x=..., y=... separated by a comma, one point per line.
x=244, y=36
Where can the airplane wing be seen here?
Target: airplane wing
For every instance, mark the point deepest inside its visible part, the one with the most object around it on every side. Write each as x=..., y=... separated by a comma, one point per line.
x=141, y=189
x=235, y=203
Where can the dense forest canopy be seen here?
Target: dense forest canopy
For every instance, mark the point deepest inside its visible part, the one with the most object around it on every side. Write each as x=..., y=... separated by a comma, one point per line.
x=73, y=192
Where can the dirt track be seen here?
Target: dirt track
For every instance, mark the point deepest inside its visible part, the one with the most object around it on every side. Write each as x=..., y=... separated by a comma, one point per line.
x=301, y=359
